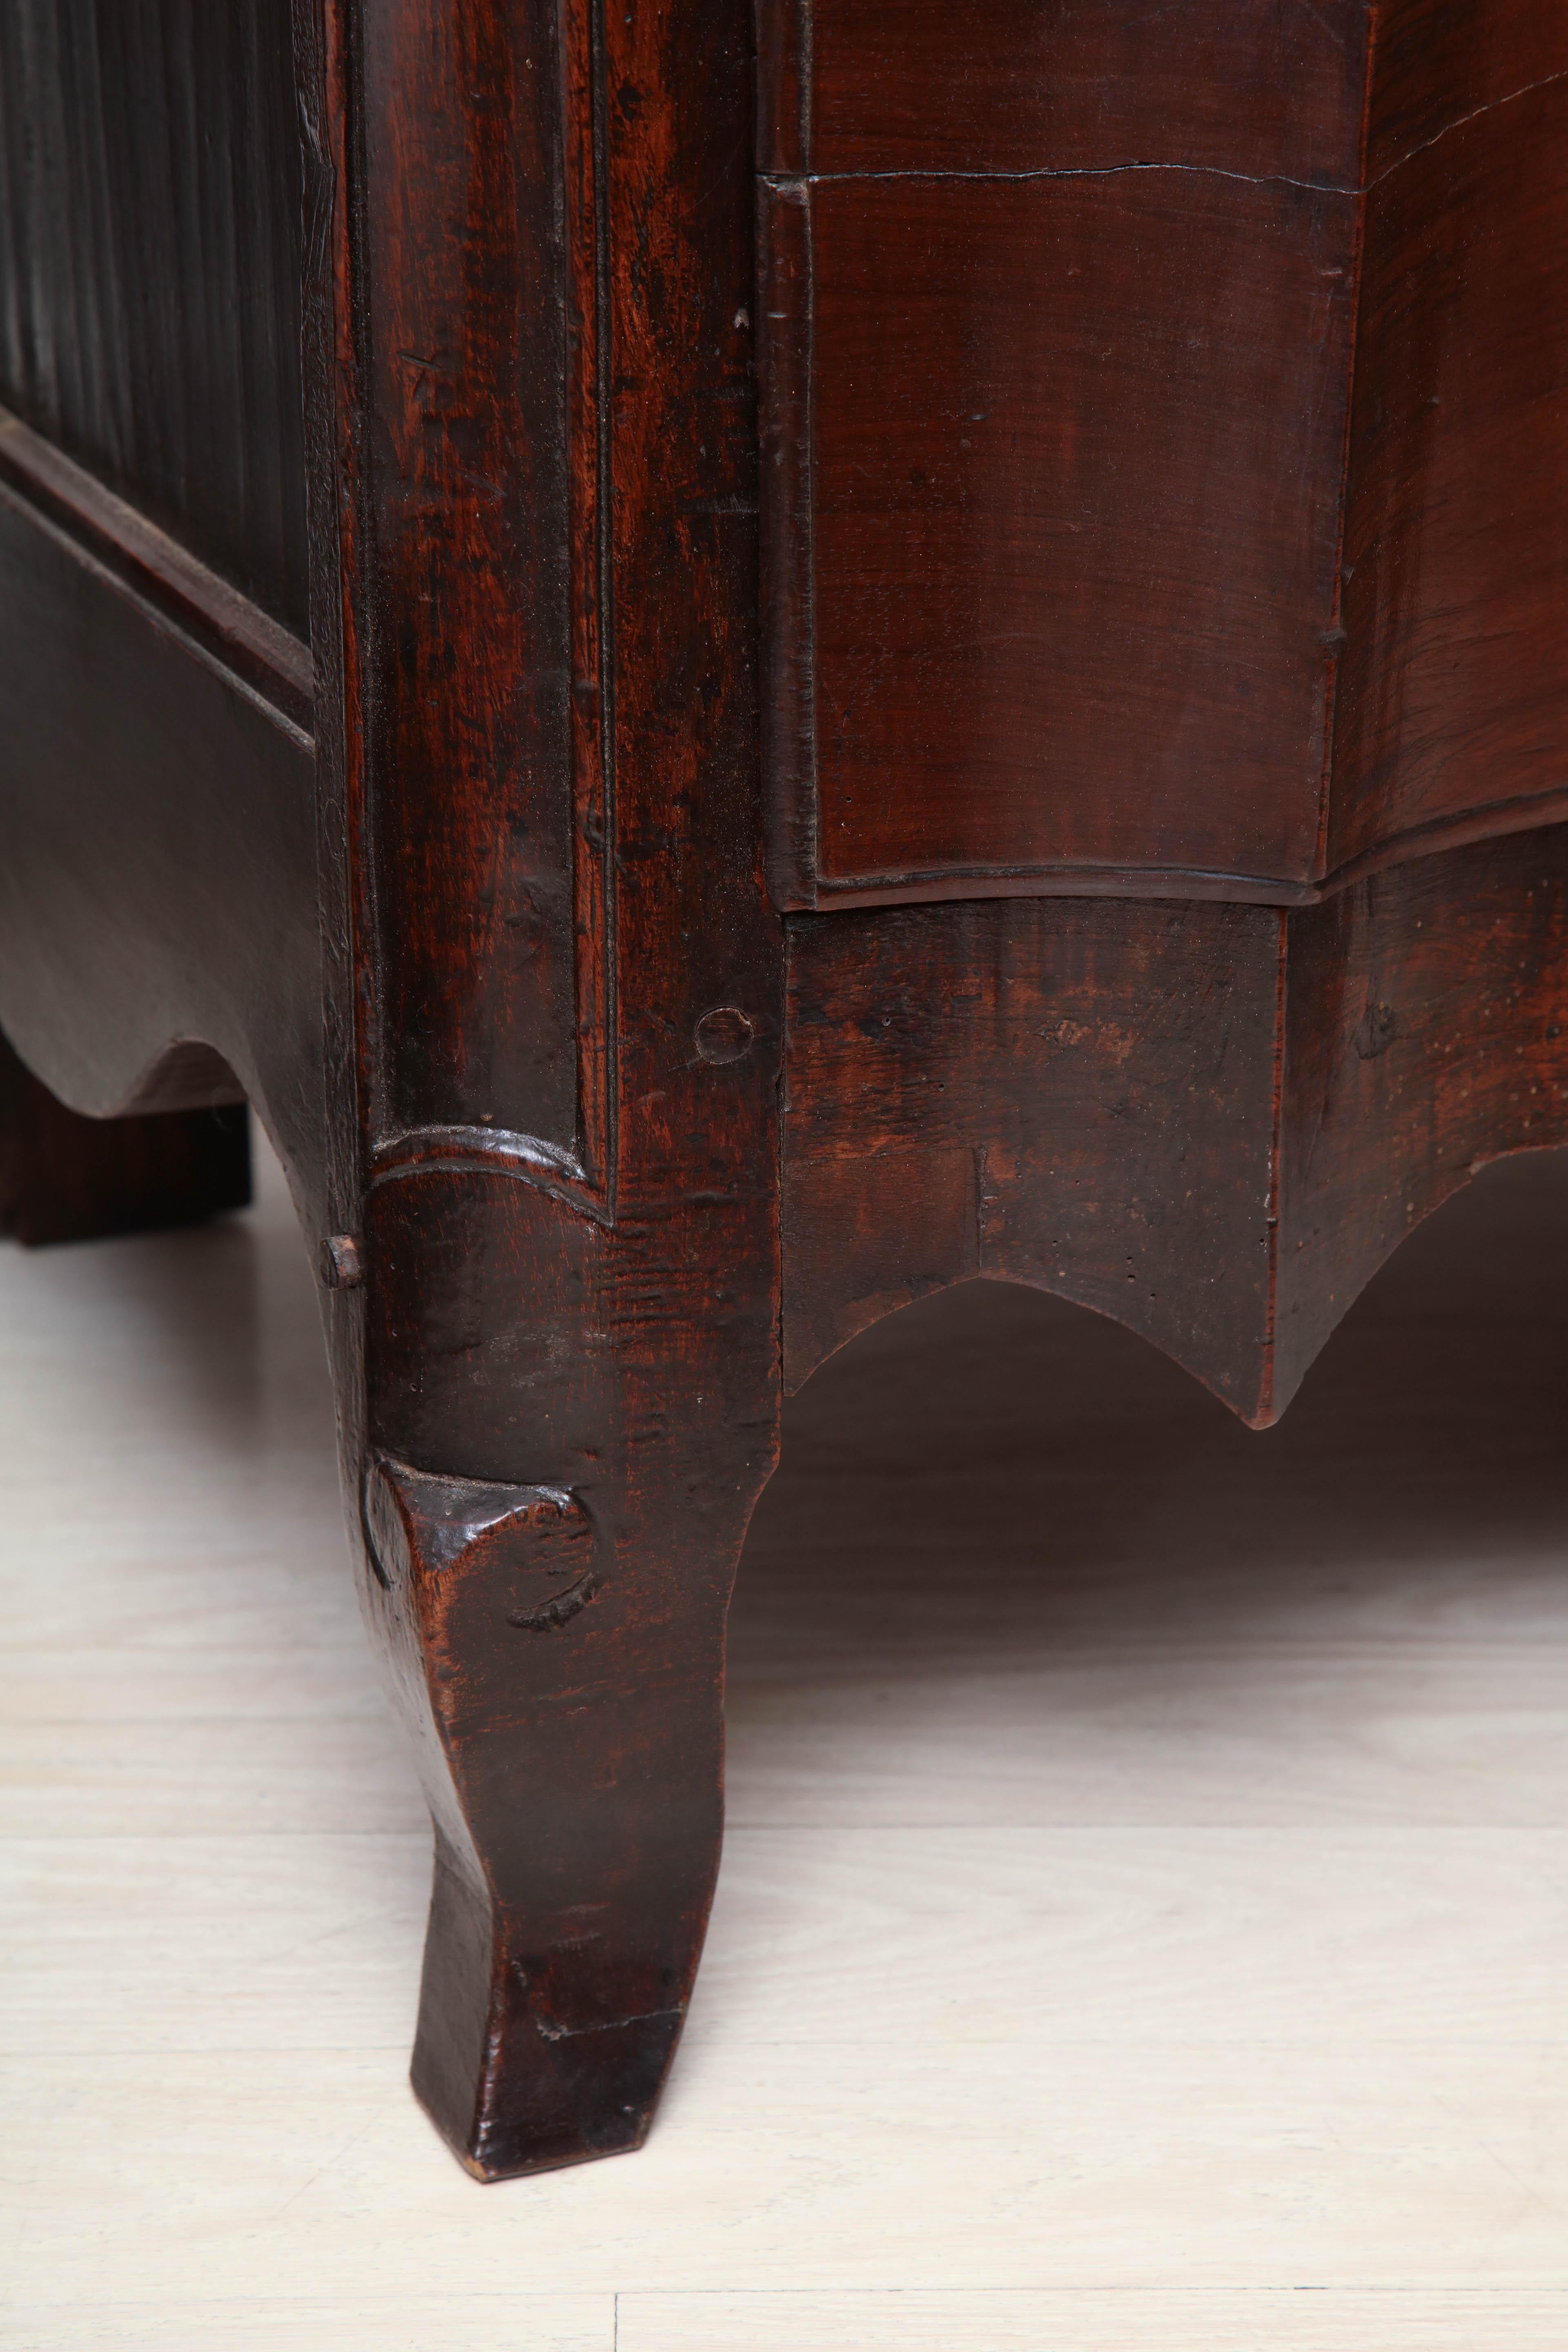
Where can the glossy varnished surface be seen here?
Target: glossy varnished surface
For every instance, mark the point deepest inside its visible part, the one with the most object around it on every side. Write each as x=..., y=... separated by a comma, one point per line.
x=490, y=945
x=567, y=988
x=150, y=257
x=462, y=583
x=1075, y=535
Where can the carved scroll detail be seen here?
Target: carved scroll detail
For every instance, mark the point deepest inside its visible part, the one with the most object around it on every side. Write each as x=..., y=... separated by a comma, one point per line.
x=535, y=1542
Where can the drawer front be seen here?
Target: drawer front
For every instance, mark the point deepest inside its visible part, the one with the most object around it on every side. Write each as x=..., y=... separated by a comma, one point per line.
x=1138, y=387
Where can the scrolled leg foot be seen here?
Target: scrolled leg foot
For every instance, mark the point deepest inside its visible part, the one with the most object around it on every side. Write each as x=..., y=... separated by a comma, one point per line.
x=572, y=1670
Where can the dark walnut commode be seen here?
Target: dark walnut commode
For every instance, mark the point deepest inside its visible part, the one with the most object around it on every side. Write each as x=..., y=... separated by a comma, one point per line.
x=736, y=670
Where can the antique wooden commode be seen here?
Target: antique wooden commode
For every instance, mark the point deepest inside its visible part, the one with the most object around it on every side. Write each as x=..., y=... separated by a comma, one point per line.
x=735, y=671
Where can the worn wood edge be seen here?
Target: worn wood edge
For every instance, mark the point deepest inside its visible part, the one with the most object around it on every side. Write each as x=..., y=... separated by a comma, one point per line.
x=788, y=53
x=784, y=85
x=226, y=626
x=590, y=479
x=492, y=1152
x=321, y=74
x=1269, y=1362
x=1524, y=814
x=1494, y=822
x=185, y=1075
x=1064, y=881
x=785, y=359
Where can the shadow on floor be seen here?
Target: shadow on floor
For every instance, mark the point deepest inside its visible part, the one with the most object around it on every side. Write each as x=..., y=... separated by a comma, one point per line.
x=994, y=1468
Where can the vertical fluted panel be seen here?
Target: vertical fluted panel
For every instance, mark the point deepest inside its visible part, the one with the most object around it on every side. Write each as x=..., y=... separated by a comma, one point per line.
x=150, y=256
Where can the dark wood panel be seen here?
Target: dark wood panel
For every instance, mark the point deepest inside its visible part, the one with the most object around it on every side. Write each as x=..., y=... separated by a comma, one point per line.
x=1259, y=87
x=1438, y=61
x=1073, y=1093
x=465, y=622
x=150, y=259
x=1426, y=1030
x=1453, y=692
x=1057, y=462
x=1213, y=1123
x=66, y=1179
x=1077, y=448
x=534, y=285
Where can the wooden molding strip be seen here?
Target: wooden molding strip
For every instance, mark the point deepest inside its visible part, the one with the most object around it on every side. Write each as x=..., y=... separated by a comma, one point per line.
x=225, y=624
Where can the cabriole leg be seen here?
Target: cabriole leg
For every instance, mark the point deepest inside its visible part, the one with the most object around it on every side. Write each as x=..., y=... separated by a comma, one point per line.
x=567, y=1428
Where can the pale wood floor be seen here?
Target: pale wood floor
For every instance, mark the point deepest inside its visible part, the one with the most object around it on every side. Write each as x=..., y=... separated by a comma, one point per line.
x=1145, y=1909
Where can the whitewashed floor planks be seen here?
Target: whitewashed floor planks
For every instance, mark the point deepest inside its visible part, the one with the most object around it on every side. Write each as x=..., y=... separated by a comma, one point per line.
x=1144, y=1918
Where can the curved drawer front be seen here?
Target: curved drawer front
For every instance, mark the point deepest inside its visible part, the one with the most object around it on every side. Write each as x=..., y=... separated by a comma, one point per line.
x=1167, y=425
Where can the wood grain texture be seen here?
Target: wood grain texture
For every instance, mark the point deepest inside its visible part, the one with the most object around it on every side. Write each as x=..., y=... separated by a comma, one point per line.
x=66, y=1179
x=150, y=266
x=460, y=326
x=1426, y=1033
x=1439, y=62
x=997, y=1088
x=538, y=292
x=1453, y=694
x=490, y=947
x=1212, y=1123
x=1089, y=573
x=1074, y=540
x=1268, y=89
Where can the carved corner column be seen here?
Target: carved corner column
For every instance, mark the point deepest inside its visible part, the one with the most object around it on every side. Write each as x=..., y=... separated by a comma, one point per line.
x=557, y=1283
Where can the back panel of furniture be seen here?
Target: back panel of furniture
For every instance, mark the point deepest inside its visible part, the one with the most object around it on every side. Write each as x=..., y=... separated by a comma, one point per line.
x=150, y=294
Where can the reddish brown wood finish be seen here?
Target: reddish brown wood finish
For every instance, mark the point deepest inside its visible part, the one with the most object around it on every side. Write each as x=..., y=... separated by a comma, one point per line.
x=1056, y=496
x=570, y=1262
x=1077, y=622
x=1453, y=693
x=1102, y=561
x=1213, y=1123
x=1269, y=91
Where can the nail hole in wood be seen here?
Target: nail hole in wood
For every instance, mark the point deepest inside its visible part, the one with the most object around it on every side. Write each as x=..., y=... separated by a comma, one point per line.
x=724, y=1034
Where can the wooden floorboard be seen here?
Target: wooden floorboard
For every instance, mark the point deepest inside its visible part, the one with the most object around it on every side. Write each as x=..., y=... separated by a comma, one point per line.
x=1145, y=1907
